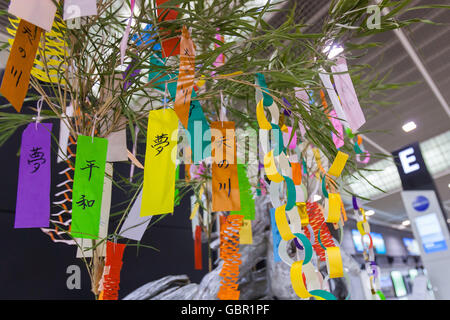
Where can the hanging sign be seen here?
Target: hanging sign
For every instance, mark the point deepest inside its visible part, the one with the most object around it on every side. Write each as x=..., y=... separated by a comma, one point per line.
x=21, y=59
x=160, y=168
x=225, y=182
x=79, y=8
x=135, y=226
x=245, y=233
x=186, y=75
x=33, y=192
x=88, y=183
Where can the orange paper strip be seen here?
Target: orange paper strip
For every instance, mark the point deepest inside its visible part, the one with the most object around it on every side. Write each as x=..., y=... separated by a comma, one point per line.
x=296, y=173
x=225, y=182
x=185, y=78
x=21, y=59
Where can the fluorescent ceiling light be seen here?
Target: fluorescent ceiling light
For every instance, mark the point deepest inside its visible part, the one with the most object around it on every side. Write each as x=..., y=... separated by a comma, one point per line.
x=409, y=126
x=406, y=223
x=370, y=213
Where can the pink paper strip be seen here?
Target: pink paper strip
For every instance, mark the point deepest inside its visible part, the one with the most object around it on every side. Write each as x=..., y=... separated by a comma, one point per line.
x=124, y=42
x=347, y=94
x=337, y=139
x=286, y=137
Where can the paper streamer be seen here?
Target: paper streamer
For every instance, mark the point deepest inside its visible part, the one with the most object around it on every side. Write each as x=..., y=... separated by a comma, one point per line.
x=40, y=13
x=134, y=225
x=225, y=181
x=159, y=172
x=186, y=76
x=350, y=104
x=338, y=139
x=229, y=252
x=104, y=219
x=33, y=192
x=16, y=78
x=332, y=94
x=111, y=274
x=245, y=194
x=282, y=224
x=88, y=186
x=316, y=221
x=338, y=164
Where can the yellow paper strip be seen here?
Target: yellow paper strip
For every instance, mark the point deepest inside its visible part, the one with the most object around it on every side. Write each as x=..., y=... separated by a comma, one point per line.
x=338, y=164
x=297, y=280
x=245, y=234
x=261, y=117
x=271, y=169
x=301, y=206
x=158, y=193
x=334, y=208
x=282, y=223
x=334, y=262
x=197, y=205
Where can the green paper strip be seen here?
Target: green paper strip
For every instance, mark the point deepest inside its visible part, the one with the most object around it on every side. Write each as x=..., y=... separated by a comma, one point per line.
x=88, y=181
x=247, y=201
x=357, y=148
x=291, y=193
x=306, y=245
x=381, y=295
x=261, y=81
x=324, y=188
x=323, y=294
x=277, y=141
x=318, y=238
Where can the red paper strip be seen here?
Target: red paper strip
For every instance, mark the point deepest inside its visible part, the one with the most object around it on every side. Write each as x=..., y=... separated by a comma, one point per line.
x=170, y=46
x=198, y=248
x=113, y=265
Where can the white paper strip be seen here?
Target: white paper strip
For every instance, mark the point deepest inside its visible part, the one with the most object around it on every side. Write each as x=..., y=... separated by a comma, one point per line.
x=350, y=104
x=117, y=146
x=135, y=226
x=64, y=133
x=38, y=12
x=79, y=8
x=326, y=80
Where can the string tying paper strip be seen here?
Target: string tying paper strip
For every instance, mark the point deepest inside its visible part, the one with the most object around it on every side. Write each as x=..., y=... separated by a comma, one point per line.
x=229, y=253
x=111, y=274
x=160, y=168
x=33, y=192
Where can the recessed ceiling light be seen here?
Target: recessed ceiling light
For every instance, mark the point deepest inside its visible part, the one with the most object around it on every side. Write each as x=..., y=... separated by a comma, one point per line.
x=449, y=185
x=409, y=126
x=316, y=197
x=406, y=223
x=370, y=213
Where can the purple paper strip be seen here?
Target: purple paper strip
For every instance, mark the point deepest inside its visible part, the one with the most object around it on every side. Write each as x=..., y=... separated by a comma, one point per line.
x=297, y=244
x=33, y=192
x=355, y=203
